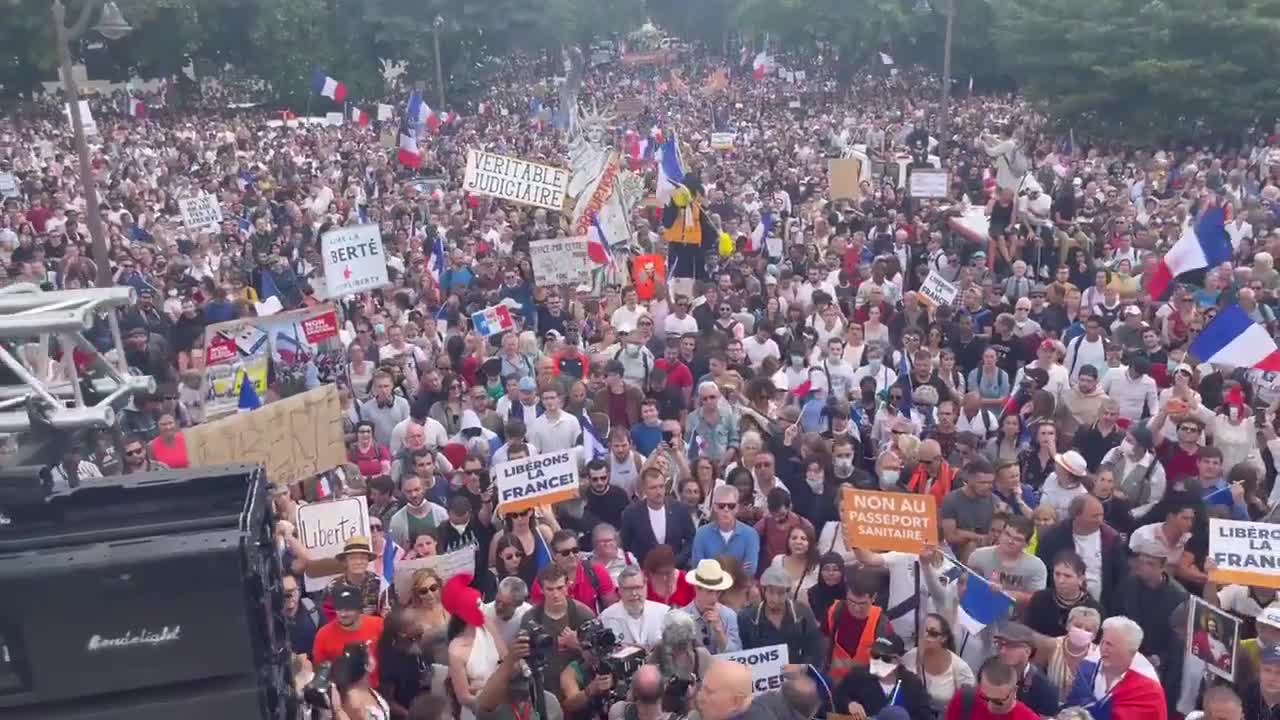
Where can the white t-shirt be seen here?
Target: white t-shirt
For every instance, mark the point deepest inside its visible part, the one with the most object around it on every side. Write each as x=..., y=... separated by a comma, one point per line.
x=757, y=351
x=676, y=326
x=658, y=521
x=1089, y=548
x=644, y=631
x=626, y=317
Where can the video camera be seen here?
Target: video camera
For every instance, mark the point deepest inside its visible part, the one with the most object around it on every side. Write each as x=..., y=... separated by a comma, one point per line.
x=541, y=645
x=611, y=658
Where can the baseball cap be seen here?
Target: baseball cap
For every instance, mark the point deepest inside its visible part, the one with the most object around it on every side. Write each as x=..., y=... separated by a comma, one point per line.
x=1270, y=615
x=1270, y=655
x=889, y=645
x=527, y=384
x=347, y=598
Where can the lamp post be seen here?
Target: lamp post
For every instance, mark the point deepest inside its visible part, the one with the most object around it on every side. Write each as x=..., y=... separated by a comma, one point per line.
x=944, y=108
x=112, y=27
x=435, y=36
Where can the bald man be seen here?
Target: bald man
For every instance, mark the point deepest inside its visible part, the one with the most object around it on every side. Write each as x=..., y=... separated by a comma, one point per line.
x=646, y=696
x=725, y=692
x=932, y=474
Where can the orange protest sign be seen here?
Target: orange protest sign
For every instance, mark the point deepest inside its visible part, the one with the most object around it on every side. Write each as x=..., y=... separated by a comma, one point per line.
x=647, y=273
x=905, y=522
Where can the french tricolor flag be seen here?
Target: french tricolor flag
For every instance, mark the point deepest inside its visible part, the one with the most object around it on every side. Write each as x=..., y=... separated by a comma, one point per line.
x=1204, y=245
x=761, y=66
x=136, y=108
x=322, y=84
x=415, y=113
x=598, y=244
x=358, y=116
x=1235, y=340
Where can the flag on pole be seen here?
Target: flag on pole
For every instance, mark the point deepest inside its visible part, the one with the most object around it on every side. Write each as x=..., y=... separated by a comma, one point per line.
x=885, y=58
x=409, y=155
x=670, y=170
x=1203, y=245
x=981, y=605
x=136, y=108
x=761, y=66
x=1232, y=338
x=358, y=116
x=322, y=84
x=597, y=243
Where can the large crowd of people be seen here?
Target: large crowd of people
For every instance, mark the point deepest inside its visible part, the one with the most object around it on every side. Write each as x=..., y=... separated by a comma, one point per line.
x=1075, y=449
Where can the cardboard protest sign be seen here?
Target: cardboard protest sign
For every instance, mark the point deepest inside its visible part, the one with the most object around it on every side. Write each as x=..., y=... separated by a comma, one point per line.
x=629, y=107
x=354, y=260
x=647, y=273
x=295, y=438
x=766, y=665
x=200, y=213
x=937, y=290
x=1213, y=636
x=561, y=261
x=323, y=529
x=928, y=183
x=1246, y=553
x=843, y=175
x=543, y=479
x=519, y=181
x=888, y=520
x=458, y=562
x=723, y=140
x=86, y=118
x=492, y=320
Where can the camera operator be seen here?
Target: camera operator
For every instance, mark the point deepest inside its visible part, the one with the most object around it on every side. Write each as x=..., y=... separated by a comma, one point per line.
x=681, y=658
x=557, y=615
x=507, y=693
x=587, y=682
x=647, y=689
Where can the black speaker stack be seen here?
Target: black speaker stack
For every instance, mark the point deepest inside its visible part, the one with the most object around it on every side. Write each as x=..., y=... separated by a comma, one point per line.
x=145, y=597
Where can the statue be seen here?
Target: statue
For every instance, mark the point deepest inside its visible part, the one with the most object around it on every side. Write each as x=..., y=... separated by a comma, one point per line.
x=601, y=192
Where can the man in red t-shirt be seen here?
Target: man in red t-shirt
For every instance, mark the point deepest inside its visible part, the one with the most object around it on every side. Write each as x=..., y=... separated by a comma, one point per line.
x=678, y=373
x=596, y=595
x=995, y=698
x=349, y=627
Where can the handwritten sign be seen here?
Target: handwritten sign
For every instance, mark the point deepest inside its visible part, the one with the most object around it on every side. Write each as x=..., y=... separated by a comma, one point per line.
x=929, y=183
x=354, y=260
x=561, y=261
x=323, y=529
x=294, y=438
x=766, y=665
x=200, y=213
x=543, y=479
x=458, y=562
x=888, y=521
x=937, y=290
x=519, y=181
x=1247, y=553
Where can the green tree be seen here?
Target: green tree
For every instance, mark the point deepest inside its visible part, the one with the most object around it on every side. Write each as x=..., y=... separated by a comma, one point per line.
x=1144, y=68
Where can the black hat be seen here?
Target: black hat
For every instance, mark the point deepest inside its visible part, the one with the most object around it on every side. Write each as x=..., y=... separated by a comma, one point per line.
x=890, y=645
x=346, y=597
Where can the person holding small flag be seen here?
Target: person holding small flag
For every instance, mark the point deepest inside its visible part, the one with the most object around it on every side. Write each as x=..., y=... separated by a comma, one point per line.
x=884, y=682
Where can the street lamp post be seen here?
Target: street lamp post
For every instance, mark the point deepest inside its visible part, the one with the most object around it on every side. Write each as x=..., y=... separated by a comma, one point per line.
x=435, y=36
x=944, y=108
x=62, y=36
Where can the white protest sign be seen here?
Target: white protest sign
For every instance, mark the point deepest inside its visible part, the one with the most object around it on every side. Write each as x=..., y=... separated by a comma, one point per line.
x=458, y=562
x=202, y=212
x=8, y=185
x=1246, y=553
x=723, y=140
x=324, y=528
x=516, y=180
x=384, y=112
x=937, y=290
x=543, y=479
x=766, y=665
x=354, y=260
x=560, y=261
x=928, y=183
x=334, y=118
x=86, y=118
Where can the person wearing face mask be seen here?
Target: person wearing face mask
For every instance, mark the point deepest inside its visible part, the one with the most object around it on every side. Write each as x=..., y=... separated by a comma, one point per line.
x=1140, y=478
x=885, y=682
x=875, y=369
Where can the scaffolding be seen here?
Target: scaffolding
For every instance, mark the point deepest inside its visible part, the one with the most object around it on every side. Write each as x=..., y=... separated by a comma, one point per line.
x=29, y=319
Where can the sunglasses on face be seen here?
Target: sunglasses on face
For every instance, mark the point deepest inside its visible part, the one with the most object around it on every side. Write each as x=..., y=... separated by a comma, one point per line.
x=727, y=506
x=566, y=552
x=428, y=589
x=375, y=528
x=934, y=633
x=512, y=557
x=884, y=657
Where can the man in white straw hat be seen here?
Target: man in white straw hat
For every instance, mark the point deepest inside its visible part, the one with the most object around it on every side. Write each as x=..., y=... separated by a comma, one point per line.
x=1065, y=482
x=717, y=624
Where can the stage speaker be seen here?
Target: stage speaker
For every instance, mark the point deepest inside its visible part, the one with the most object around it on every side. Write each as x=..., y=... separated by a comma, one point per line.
x=147, y=589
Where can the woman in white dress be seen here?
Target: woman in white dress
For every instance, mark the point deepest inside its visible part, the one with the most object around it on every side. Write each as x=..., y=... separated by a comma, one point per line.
x=935, y=661
x=475, y=645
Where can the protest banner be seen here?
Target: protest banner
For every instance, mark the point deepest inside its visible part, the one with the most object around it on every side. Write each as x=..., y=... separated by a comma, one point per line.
x=723, y=140
x=519, y=181
x=937, y=290
x=492, y=320
x=561, y=261
x=354, y=260
x=86, y=118
x=323, y=529
x=295, y=438
x=1246, y=553
x=543, y=479
x=458, y=562
x=1213, y=636
x=928, y=183
x=630, y=107
x=888, y=520
x=200, y=213
x=766, y=665
x=843, y=175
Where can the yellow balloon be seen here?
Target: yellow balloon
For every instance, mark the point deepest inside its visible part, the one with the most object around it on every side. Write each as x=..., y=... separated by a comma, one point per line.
x=726, y=245
x=681, y=197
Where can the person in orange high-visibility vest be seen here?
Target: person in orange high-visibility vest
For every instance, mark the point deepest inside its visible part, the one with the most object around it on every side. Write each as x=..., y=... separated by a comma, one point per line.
x=933, y=474
x=855, y=623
